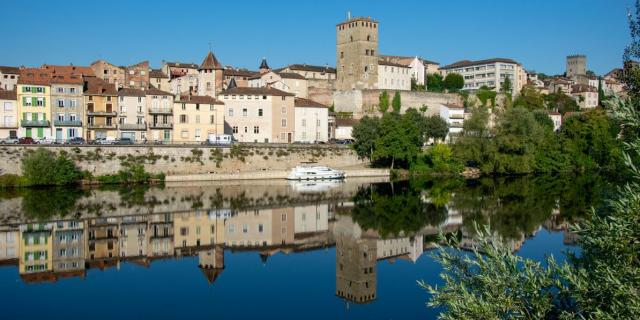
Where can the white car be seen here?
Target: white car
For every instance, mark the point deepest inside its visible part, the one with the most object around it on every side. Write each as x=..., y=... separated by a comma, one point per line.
x=9, y=140
x=46, y=141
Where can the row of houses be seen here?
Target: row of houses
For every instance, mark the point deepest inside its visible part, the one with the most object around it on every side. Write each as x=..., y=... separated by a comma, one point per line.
x=104, y=101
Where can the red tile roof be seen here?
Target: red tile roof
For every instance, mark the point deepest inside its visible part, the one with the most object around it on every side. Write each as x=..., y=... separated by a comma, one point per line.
x=210, y=63
x=8, y=95
x=96, y=86
x=35, y=76
x=306, y=103
x=199, y=99
x=70, y=69
x=256, y=91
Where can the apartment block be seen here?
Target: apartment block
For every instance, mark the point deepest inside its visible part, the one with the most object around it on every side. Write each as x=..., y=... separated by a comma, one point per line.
x=196, y=117
x=34, y=103
x=491, y=73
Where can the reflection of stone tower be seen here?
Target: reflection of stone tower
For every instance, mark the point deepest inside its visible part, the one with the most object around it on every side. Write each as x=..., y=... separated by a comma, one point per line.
x=357, y=54
x=576, y=65
x=355, y=263
x=211, y=262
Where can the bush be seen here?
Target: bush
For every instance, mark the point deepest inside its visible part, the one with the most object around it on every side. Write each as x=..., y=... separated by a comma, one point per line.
x=11, y=180
x=132, y=174
x=43, y=168
x=438, y=160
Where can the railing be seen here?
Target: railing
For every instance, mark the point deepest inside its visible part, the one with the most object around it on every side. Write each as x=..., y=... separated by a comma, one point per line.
x=101, y=113
x=35, y=123
x=456, y=116
x=160, y=125
x=132, y=126
x=101, y=126
x=160, y=111
x=67, y=123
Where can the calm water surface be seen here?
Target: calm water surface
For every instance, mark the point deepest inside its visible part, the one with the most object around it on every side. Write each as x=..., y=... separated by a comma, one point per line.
x=263, y=249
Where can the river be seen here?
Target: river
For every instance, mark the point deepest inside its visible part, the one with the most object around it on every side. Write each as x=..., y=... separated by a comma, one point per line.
x=267, y=249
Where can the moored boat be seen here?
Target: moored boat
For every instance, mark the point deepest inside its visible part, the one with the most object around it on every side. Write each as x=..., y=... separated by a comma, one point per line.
x=307, y=172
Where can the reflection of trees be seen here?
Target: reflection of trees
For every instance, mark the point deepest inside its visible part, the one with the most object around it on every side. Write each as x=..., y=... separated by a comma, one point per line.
x=46, y=203
x=394, y=208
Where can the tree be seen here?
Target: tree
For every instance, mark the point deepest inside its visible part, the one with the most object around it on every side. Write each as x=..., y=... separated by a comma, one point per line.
x=398, y=139
x=543, y=119
x=601, y=97
x=435, y=82
x=485, y=94
x=43, y=168
x=473, y=144
x=453, y=82
x=561, y=102
x=396, y=103
x=365, y=134
x=415, y=86
x=436, y=128
x=507, y=87
x=529, y=98
x=383, y=102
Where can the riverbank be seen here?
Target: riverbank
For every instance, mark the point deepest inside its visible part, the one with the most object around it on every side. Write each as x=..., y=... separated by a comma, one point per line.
x=269, y=175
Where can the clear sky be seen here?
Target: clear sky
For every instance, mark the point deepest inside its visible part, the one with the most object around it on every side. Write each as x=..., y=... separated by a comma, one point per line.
x=537, y=33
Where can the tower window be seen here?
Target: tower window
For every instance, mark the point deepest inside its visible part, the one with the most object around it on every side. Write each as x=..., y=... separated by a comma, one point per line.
x=351, y=37
x=369, y=38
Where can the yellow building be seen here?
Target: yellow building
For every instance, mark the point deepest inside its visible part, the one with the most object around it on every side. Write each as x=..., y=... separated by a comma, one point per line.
x=199, y=228
x=100, y=100
x=34, y=103
x=36, y=248
x=196, y=117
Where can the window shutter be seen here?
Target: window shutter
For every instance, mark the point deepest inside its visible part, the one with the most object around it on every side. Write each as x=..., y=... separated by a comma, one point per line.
x=44, y=101
x=24, y=116
x=24, y=99
x=34, y=101
x=44, y=116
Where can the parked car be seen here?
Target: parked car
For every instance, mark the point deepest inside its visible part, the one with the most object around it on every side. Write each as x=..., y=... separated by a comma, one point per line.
x=76, y=140
x=345, y=141
x=46, y=141
x=124, y=141
x=26, y=140
x=102, y=141
x=9, y=140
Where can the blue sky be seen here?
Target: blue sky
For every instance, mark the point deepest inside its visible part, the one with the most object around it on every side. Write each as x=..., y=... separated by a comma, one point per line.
x=538, y=33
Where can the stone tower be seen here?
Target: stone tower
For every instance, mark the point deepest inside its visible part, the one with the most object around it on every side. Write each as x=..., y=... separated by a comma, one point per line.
x=576, y=65
x=210, y=76
x=357, y=54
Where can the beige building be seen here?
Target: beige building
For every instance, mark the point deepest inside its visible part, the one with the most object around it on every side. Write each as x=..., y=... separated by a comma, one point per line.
x=101, y=106
x=36, y=248
x=199, y=228
x=287, y=82
x=491, y=73
x=8, y=114
x=576, y=66
x=310, y=72
x=311, y=121
x=109, y=73
x=132, y=110
x=159, y=79
x=203, y=80
x=240, y=76
x=394, y=76
x=159, y=115
x=259, y=114
x=9, y=245
x=420, y=68
x=586, y=96
x=357, y=54
x=196, y=117
x=9, y=77
x=251, y=228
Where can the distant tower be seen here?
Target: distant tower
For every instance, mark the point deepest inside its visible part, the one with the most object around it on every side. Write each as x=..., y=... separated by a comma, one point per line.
x=210, y=76
x=264, y=66
x=576, y=65
x=357, y=53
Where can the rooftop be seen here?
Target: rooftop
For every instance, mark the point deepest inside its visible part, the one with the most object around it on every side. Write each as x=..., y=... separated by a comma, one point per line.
x=8, y=95
x=199, y=99
x=210, y=63
x=70, y=69
x=466, y=63
x=306, y=103
x=157, y=73
x=35, y=76
x=9, y=70
x=257, y=91
x=97, y=86
x=307, y=67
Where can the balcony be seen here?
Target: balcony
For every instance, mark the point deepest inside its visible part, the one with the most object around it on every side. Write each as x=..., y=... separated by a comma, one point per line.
x=160, y=111
x=101, y=113
x=101, y=126
x=133, y=126
x=456, y=116
x=67, y=123
x=35, y=123
x=159, y=125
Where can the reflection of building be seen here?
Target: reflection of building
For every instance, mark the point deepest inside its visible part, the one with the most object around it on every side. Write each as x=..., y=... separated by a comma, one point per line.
x=211, y=262
x=355, y=262
x=133, y=237
x=103, y=239
x=68, y=246
x=9, y=245
x=35, y=248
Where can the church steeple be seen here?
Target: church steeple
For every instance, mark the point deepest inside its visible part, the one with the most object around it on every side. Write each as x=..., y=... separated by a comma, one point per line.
x=264, y=66
x=210, y=63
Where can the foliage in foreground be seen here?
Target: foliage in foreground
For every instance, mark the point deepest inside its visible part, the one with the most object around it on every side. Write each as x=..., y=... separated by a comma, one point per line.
x=44, y=168
x=602, y=282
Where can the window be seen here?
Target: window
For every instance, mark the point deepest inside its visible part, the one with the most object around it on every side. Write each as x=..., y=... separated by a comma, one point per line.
x=284, y=110
x=235, y=129
x=211, y=107
x=184, y=134
x=245, y=228
x=184, y=231
x=260, y=228
x=246, y=129
x=232, y=228
x=184, y=106
x=304, y=122
x=244, y=112
x=212, y=119
x=197, y=118
x=197, y=134
x=60, y=103
x=283, y=123
x=183, y=118
x=60, y=90
x=230, y=112
x=256, y=129
x=259, y=112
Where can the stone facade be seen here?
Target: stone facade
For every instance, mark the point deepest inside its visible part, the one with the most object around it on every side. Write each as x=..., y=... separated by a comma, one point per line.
x=9, y=78
x=160, y=120
x=67, y=106
x=576, y=65
x=196, y=117
x=311, y=120
x=357, y=54
x=8, y=114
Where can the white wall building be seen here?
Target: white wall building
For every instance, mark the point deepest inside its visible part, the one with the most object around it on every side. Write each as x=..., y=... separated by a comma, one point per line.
x=393, y=76
x=491, y=73
x=311, y=121
x=454, y=116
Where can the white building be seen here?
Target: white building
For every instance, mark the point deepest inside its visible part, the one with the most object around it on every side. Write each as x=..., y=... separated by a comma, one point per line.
x=586, y=96
x=132, y=112
x=311, y=121
x=8, y=114
x=393, y=76
x=454, y=116
x=556, y=117
x=344, y=128
x=9, y=78
x=284, y=81
x=310, y=219
x=491, y=73
x=420, y=68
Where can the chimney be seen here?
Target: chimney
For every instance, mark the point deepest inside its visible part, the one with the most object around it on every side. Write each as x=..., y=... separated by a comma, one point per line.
x=348, y=15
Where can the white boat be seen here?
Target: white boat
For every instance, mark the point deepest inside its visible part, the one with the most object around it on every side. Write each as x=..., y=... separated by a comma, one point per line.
x=307, y=172
x=314, y=186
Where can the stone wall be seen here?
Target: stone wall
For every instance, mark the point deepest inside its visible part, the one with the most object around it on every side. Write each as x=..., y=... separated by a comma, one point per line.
x=184, y=160
x=362, y=102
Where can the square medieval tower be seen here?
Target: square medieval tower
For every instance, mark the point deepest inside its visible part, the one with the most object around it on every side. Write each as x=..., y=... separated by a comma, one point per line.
x=357, y=54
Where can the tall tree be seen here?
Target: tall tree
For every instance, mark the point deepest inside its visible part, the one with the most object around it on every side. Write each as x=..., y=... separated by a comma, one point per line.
x=383, y=102
x=436, y=128
x=507, y=87
x=396, y=103
x=453, y=82
x=561, y=102
x=365, y=134
x=529, y=98
x=435, y=82
x=398, y=140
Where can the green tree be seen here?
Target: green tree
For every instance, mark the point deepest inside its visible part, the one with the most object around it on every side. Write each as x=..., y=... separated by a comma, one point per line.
x=601, y=97
x=383, y=102
x=398, y=140
x=474, y=142
x=453, y=82
x=543, y=119
x=365, y=134
x=561, y=102
x=529, y=98
x=396, y=103
x=436, y=128
x=507, y=87
x=485, y=94
x=43, y=168
x=435, y=82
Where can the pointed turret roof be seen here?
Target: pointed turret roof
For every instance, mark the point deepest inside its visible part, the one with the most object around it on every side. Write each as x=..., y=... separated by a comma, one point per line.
x=211, y=274
x=263, y=64
x=232, y=84
x=210, y=63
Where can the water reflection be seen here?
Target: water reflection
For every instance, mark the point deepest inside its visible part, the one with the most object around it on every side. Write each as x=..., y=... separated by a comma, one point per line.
x=55, y=234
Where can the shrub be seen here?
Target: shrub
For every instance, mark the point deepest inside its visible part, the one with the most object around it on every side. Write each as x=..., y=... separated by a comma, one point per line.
x=42, y=168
